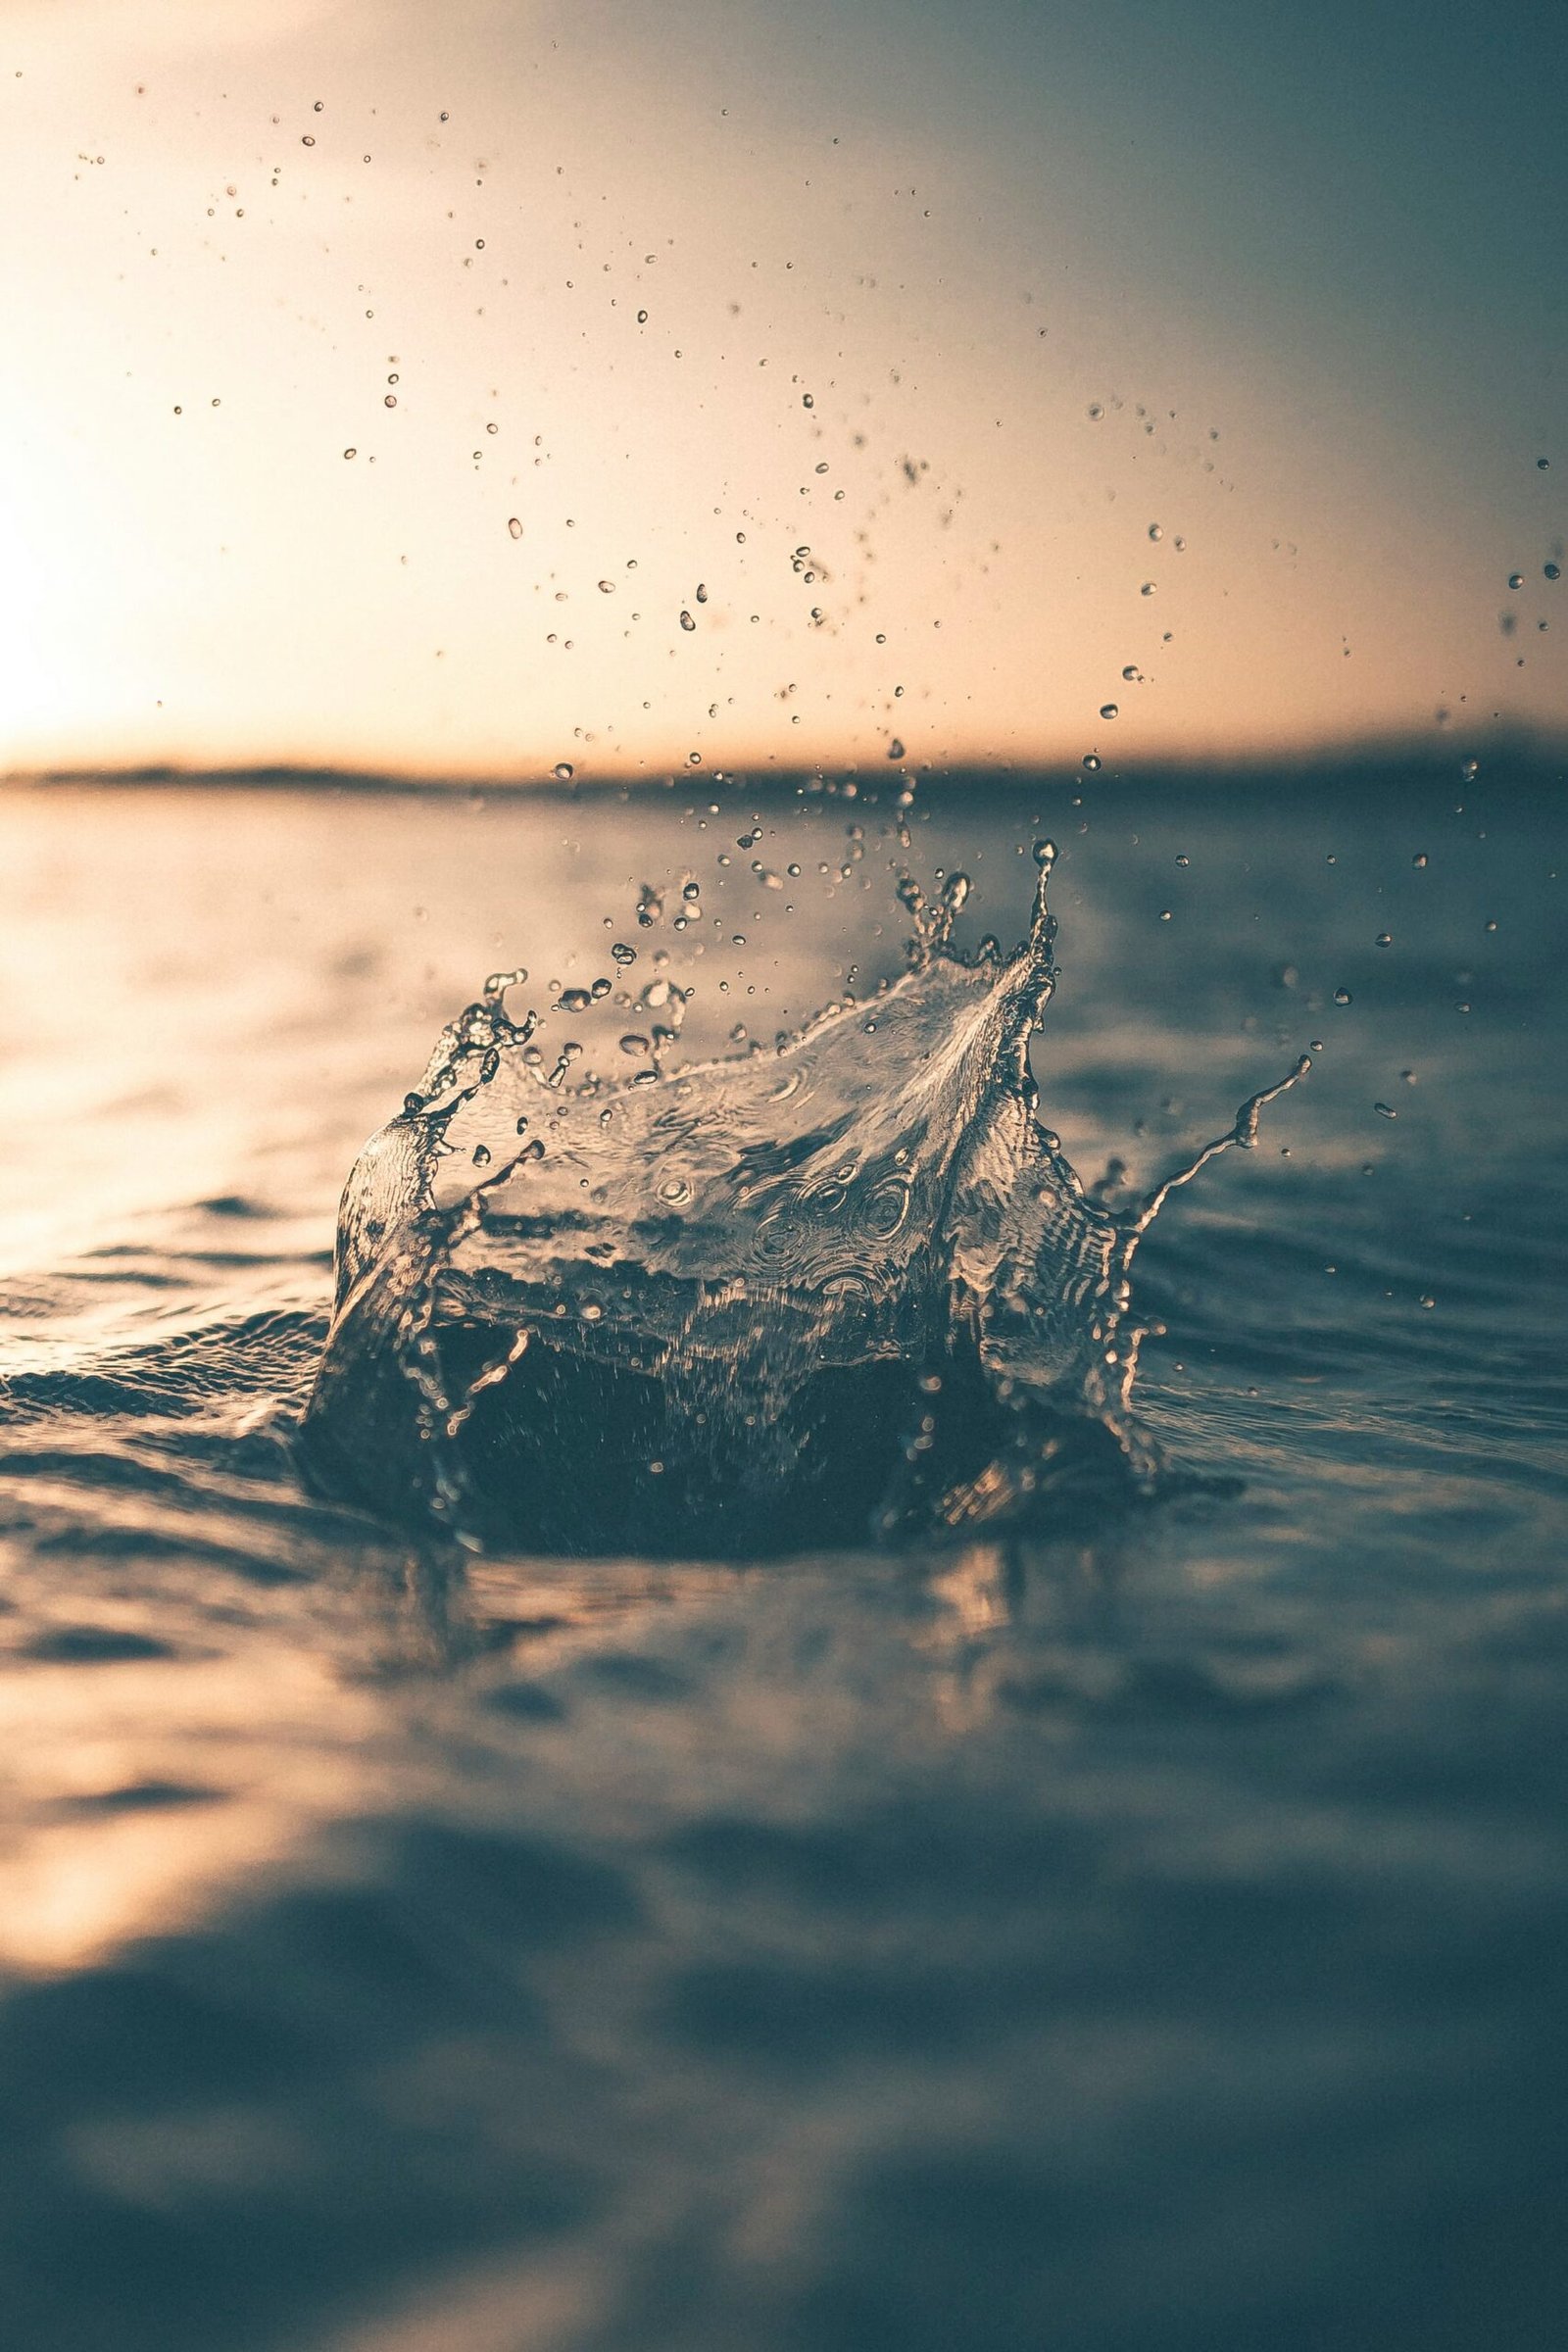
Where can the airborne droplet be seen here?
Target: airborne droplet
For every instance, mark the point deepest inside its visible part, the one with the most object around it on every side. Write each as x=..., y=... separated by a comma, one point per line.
x=563, y=771
x=514, y=526
x=686, y=621
x=1110, y=710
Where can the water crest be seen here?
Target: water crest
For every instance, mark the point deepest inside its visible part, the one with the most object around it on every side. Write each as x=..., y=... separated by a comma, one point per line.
x=849, y=1286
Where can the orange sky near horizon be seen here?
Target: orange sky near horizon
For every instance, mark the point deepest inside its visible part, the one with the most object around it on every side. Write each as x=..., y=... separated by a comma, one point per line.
x=698, y=407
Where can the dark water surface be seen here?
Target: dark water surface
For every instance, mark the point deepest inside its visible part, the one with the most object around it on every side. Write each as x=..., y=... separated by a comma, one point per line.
x=1146, y=1932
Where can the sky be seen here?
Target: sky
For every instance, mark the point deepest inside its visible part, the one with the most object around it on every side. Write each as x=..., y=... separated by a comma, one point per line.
x=515, y=384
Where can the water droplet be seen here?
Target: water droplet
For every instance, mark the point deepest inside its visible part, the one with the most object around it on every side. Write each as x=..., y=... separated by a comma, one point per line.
x=1096, y=411
x=1542, y=464
x=1091, y=760
x=350, y=453
x=390, y=401
x=1385, y=1111
x=702, y=592
x=1164, y=914
x=1384, y=939
x=563, y=771
x=1147, y=588
x=1342, y=995
x=1552, y=571
x=574, y=1000
x=1516, y=579
x=307, y=142
x=1045, y=855
x=1154, y=531
x=514, y=526
x=895, y=749
x=1129, y=672
x=622, y=954
x=686, y=621
x=320, y=107
x=607, y=587
x=1419, y=859
x=1110, y=710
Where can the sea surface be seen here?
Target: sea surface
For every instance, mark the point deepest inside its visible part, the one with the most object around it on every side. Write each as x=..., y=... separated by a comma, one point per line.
x=1143, y=1925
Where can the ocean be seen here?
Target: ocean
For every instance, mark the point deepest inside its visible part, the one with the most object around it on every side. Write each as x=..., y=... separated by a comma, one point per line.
x=1119, y=1911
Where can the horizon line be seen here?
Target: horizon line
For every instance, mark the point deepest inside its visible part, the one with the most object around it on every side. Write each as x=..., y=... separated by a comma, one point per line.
x=1519, y=747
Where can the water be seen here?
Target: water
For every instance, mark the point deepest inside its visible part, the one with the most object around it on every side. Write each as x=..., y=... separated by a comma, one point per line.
x=1136, y=1918
x=776, y=1300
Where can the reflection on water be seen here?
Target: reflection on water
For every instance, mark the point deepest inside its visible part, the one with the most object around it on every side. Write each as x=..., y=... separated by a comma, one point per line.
x=1150, y=1935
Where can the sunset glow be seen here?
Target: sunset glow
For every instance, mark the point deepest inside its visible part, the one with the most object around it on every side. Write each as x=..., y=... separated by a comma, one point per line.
x=946, y=426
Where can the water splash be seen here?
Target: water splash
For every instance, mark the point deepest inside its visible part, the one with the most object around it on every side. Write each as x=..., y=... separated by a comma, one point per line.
x=851, y=1287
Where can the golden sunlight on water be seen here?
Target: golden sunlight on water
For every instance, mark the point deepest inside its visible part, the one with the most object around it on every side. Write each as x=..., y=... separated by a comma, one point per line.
x=149, y=1790
x=404, y=1951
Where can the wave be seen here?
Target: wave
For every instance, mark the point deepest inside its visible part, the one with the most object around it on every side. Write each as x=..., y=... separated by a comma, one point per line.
x=847, y=1287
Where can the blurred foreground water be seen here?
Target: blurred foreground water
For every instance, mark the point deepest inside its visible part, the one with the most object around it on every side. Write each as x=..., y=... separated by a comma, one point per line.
x=1150, y=1933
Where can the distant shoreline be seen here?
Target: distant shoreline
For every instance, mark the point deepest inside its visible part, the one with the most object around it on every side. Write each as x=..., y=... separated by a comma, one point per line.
x=1376, y=768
